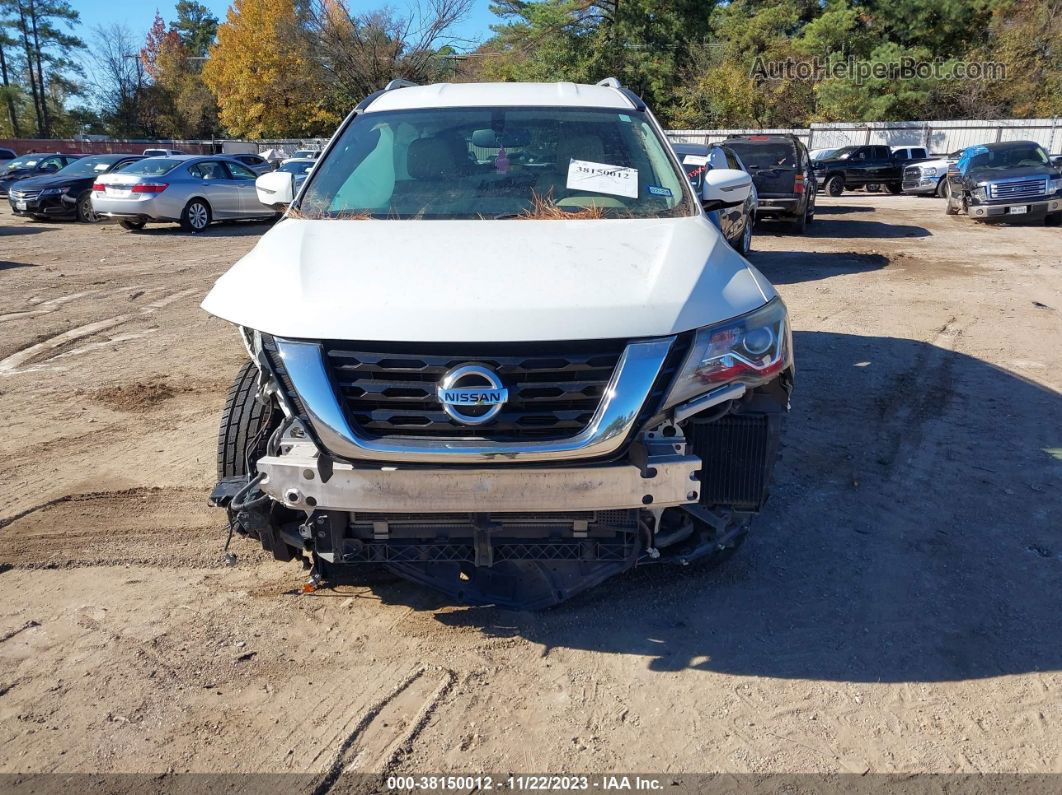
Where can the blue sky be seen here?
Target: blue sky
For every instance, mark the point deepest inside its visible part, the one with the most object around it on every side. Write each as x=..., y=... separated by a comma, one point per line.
x=138, y=14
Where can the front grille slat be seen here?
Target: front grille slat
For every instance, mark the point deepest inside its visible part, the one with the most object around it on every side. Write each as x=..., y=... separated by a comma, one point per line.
x=554, y=388
x=1018, y=189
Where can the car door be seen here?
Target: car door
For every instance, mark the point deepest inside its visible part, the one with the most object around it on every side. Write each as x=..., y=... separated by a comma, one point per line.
x=49, y=165
x=211, y=180
x=746, y=213
x=243, y=181
x=882, y=164
x=729, y=217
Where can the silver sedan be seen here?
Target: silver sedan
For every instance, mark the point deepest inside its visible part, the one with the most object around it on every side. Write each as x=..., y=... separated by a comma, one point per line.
x=191, y=189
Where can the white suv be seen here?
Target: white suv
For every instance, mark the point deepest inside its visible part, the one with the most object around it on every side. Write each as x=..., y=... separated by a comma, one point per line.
x=498, y=347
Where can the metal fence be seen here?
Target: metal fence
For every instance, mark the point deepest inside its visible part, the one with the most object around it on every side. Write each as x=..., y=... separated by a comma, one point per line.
x=939, y=137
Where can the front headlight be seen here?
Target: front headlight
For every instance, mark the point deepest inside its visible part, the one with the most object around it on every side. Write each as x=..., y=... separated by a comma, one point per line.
x=53, y=191
x=751, y=349
x=1054, y=185
x=929, y=172
x=980, y=192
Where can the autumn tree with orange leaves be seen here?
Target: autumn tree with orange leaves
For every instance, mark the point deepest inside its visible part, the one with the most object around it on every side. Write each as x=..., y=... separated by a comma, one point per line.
x=262, y=75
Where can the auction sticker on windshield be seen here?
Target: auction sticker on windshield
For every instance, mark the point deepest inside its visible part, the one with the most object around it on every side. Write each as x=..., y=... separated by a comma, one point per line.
x=602, y=178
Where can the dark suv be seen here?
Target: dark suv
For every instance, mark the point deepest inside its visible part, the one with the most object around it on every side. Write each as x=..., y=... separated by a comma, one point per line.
x=1008, y=181
x=781, y=172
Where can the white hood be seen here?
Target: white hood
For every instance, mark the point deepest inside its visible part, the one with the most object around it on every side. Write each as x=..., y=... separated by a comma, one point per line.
x=487, y=281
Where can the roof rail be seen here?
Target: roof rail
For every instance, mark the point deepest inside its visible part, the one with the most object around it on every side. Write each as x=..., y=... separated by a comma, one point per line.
x=610, y=82
x=394, y=84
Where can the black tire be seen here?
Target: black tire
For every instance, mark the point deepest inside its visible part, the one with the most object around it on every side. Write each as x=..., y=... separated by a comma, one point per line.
x=243, y=423
x=894, y=188
x=132, y=226
x=85, y=213
x=942, y=188
x=1053, y=219
x=744, y=243
x=196, y=216
x=835, y=185
x=799, y=224
x=872, y=187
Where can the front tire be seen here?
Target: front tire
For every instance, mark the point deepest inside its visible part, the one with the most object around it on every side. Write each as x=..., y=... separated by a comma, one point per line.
x=244, y=424
x=942, y=188
x=1053, y=219
x=835, y=185
x=196, y=216
x=85, y=213
x=894, y=189
x=952, y=207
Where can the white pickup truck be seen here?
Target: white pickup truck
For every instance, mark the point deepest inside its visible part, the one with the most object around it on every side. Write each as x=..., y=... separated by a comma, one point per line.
x=497, y=347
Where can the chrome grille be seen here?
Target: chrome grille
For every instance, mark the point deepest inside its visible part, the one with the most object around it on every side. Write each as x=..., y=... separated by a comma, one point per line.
x=1018, y=189
x=554, y=388
x=25, y=194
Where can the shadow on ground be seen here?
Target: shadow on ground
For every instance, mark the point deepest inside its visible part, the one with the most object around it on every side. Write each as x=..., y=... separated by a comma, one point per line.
x=790, y=267
x=913, y=535
x=217, y=229
x=14, y=231
x=6, y=265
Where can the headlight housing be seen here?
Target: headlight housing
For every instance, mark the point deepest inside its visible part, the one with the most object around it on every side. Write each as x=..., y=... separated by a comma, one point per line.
x=929, y=172
x=1054, y=184
x=751, y=349
x=980, y=192
x=54, y=191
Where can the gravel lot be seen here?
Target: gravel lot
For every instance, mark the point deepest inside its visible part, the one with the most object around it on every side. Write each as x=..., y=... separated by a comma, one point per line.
x=897, y=608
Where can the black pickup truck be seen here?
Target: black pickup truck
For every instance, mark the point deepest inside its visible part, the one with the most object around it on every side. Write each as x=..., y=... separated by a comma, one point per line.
x=859, y=166
x=1006, y=181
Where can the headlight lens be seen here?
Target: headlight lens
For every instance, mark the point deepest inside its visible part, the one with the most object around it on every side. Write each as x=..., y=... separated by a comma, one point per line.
x=979, y=192
x=929, y=172
x=751, y=349
x=53, y=191
x=1054, y=184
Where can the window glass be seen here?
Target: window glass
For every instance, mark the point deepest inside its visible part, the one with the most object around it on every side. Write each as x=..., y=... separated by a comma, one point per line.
x=209, y=169
x=240, y=171
x=765, y=154
x=485, y=163
x=152, y=166
x=732, y=160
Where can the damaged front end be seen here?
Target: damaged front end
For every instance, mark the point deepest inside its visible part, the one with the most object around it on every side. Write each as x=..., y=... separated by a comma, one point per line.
x=606, y=455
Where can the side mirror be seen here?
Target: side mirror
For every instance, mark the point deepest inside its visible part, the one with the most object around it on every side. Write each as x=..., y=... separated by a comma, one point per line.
x=276, y=189
x=1057, y=161
x=725, y=187
x=51, y=168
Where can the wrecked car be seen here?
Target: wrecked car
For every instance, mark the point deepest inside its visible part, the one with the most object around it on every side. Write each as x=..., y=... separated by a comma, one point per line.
x=497, y=347
x=1007, y=181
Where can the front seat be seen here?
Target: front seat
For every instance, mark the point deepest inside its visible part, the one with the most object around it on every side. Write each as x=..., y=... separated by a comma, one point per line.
x=433, y=168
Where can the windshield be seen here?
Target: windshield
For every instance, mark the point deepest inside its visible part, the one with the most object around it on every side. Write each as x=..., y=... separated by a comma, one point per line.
x=296, y=167
x=151, y=167
x=26, y=161
x=88, y=166
x=1013, y=157
x=764, y=154
x=486, y=163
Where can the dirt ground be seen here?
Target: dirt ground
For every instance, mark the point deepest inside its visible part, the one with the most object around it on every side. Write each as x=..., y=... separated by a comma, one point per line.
x=898, y=607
